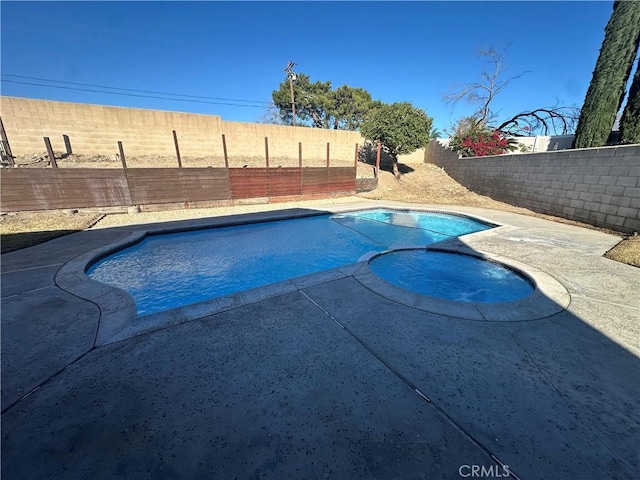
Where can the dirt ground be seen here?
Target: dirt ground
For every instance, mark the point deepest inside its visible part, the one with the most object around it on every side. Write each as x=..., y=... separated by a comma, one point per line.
x=419, y=183
x=41, y=160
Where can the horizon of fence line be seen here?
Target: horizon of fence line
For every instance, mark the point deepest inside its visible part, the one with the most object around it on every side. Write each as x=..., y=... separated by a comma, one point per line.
x=122, y=159
x=95, y=130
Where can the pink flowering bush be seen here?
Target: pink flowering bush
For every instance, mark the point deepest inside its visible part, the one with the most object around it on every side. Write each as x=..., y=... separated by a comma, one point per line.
x=479, y=142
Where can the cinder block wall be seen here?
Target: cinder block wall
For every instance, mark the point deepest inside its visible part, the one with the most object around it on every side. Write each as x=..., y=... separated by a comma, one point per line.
x=96, y=129
x=247, y=140
x=598, y=186
x=436, y=153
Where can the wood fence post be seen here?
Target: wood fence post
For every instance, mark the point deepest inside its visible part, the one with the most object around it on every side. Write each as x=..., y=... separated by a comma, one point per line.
x=7, y=155
x=355, y=160
x=126, y=177
x=327, y=154
x=224, y=149
x=300, y=168
x=52, y=157
x=266, y=150
x=122, y=159
x=175, y=142
x=378, y=160
x=67, y=144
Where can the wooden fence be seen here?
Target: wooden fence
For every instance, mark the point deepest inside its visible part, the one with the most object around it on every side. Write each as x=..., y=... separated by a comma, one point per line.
x=30, y=189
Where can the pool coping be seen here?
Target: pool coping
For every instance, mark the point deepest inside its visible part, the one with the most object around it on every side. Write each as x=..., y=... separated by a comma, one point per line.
x=119, y=319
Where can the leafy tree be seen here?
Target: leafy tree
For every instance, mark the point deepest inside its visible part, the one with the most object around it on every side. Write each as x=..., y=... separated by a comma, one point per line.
x=313, y=100
x=401, y=128
x=321, y=106
x=350, y=107
x=613, y=67
x=630, y=122
x=481, y=95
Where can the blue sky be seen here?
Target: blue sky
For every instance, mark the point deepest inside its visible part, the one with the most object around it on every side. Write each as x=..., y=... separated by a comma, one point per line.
x=398, y=51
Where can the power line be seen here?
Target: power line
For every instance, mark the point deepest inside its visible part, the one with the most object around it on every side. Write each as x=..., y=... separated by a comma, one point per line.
x=266, y=104
x=134, y=90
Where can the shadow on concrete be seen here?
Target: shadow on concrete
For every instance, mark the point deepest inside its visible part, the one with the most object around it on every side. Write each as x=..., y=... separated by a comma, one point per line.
x=16, y=241
x=333, y=380
x=551, y=398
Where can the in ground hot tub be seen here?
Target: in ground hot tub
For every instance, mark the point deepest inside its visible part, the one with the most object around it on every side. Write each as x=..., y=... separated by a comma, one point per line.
x=459, y=282
x=451, y=276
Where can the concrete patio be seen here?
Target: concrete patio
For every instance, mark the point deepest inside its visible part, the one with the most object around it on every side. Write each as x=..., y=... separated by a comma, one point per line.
x=327, y=378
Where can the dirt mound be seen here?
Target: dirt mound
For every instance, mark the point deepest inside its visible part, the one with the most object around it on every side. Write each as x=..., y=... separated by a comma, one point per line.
x=427, y=183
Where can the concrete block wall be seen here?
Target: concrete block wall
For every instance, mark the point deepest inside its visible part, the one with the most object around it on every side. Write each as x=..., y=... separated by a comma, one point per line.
x=435, y=152
x=597, y=186
x=96, y=129
x=247, y=139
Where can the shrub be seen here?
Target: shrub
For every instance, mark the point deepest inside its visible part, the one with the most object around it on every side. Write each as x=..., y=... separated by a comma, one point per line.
x=478, y=142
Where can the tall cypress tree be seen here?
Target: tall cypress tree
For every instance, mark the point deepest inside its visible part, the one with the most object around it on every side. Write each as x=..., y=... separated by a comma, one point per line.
x=630, y=122
x=606, y=91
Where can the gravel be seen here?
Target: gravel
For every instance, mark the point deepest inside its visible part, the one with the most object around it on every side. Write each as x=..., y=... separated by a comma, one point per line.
x=113, y=220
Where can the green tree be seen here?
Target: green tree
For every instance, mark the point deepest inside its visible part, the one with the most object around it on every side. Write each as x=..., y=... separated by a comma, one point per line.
x=350, y=106
x=320, y=106
x=401, y=128
x=313, y=100
x=613, y=67
x=630, y=122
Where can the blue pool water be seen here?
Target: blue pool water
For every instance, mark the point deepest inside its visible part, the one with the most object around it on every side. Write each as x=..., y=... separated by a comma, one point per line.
x=172, y=270
x=454, y=277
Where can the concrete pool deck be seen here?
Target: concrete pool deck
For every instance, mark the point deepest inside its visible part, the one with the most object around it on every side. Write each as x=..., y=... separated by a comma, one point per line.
x=328, y=379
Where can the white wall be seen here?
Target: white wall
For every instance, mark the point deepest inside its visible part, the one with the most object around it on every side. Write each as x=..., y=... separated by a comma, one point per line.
x=542, y=143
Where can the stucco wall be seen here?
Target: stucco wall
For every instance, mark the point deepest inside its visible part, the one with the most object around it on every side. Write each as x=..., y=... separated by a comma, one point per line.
x=598, y=186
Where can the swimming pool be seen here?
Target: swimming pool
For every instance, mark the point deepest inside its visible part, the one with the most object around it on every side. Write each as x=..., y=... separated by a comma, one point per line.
x=167, y=271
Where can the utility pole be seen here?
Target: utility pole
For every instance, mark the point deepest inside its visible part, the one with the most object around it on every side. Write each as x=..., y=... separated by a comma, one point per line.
x=292, y=77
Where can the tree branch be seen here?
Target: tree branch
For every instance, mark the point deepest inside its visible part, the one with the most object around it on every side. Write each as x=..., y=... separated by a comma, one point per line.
x=553, y=119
